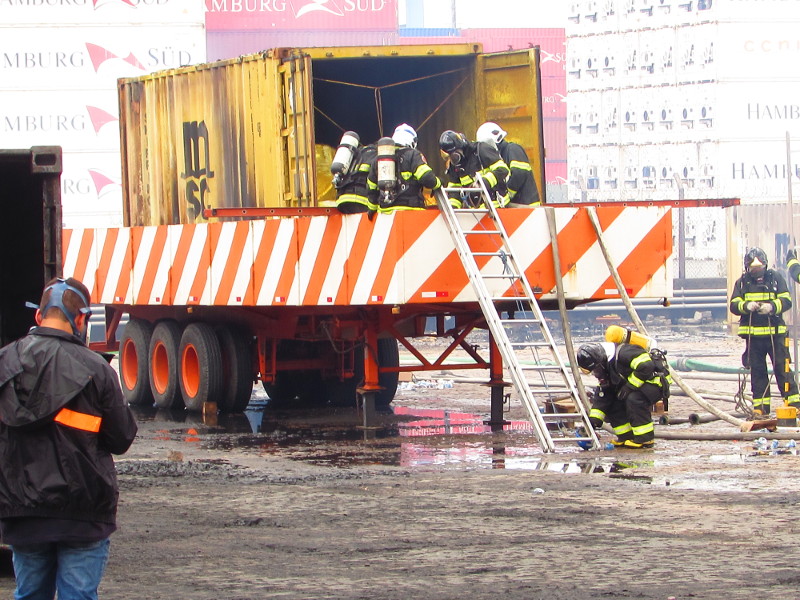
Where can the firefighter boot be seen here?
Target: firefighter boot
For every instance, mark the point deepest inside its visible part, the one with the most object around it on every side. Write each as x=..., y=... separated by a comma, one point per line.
x=641, y=441
x=622, y=440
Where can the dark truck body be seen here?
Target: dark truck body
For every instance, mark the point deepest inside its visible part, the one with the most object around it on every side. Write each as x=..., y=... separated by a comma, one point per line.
x=30, y=232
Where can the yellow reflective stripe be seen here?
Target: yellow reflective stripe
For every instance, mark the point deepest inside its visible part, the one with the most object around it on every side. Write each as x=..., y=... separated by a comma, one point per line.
x=643, y=357
x=622, y=429
x=372, y=185
x=759, y=401
x=748, y=330
x=467, y=180
x=777, y=305
x=792, y=399
x=792, y=263
x=77, y=420
x=355, y=199
x=646, y=428
x=391, y=209
x=518, y=164
x=490, y=178
x=635, y=381
x=596, y=413
x=364, y=167
x=757, y=296
x=422, y=170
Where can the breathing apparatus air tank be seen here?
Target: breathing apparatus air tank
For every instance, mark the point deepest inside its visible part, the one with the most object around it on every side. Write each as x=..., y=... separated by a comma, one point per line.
x=621, y=335
x=343, y=158
x=387, y=169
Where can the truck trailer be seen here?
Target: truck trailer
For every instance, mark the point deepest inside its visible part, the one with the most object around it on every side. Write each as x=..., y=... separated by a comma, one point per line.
x=234, y=266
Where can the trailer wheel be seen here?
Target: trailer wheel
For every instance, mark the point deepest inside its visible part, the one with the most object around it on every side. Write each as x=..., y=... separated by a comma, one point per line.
x=388, y=356
x=200, y=366
x=164, y=364
x=343, y=393
x=281, y=390
x=134, y=365
x=237, y=369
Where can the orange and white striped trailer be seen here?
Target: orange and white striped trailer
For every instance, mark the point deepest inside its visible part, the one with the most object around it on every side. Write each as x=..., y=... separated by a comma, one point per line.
x=233, y=267
x=293, y=298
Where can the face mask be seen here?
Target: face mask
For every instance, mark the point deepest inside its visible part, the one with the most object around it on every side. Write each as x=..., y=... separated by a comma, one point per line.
x=456, y=157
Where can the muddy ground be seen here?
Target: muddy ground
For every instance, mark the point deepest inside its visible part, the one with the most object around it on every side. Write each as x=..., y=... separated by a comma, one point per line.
x=283, y=503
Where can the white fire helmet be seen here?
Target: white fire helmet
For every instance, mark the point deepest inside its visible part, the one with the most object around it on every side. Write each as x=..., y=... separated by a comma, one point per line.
x=404, y=135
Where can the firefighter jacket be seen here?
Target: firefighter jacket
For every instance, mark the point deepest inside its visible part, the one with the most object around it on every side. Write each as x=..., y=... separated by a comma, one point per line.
x=772, y=289
x=352, y=192
x=413, y=174
x=632, y=369
x=484, y=159
x=521, y=184
x=62, y=415
x=794, y=269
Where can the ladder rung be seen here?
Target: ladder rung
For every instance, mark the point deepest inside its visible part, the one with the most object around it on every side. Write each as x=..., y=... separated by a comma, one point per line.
x=509, y=298
x=540, y=367
x=504, y=276
x=531, y=344
x=519, y=320
x=472, y=211
x=482, y=232
x=489, y=253
x=559, y=416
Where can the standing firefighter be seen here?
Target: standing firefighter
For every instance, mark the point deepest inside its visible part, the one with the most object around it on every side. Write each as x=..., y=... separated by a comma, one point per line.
x=467, y=159
x=759, y=297
x=628, y=387
x=522, y=191
x=400, y=175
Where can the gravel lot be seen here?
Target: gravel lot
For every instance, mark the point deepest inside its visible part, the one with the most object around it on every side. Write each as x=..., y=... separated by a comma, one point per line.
x=289, y=503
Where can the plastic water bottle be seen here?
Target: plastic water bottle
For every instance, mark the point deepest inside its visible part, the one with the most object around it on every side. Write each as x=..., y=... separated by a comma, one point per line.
x=791, y=444
x=775, y=444
x=761, y=443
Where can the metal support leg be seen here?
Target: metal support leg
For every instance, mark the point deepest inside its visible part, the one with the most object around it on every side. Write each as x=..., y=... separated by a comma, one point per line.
x=371, y=387
x=497, y=385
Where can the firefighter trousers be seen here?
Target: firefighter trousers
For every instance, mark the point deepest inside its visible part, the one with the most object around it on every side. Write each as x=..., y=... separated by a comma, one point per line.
x=756, y=352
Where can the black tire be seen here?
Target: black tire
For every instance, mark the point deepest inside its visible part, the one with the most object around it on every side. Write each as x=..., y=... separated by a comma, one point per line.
x=304, y=387
x=388, y=356
x=282, y=389
x=200, y=366
x=237, y=369
x=343, y=393
x=163, y=368
x=134, y=362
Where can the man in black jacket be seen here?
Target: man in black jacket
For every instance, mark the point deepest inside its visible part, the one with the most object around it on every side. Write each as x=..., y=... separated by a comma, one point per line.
x=628, y=387
x=62, y=416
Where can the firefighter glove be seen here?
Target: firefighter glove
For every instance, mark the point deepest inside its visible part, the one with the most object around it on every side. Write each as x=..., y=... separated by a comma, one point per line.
x=596, y=423
x=765, y=308
x=751, y=306
x=791, y=255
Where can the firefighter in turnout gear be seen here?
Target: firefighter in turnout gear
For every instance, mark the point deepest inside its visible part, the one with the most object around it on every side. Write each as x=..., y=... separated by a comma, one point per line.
x=628, y=387
x=412, y=174
x=522, y=190
x=467, y=159
x=350, y=181
x=759, y=297
x=793, y=265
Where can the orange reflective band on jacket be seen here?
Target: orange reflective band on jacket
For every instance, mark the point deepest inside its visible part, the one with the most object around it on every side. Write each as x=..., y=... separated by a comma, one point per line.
x=77, y=420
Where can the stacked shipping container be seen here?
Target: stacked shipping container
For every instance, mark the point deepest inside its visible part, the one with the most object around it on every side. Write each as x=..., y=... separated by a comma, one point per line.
x=59, y=64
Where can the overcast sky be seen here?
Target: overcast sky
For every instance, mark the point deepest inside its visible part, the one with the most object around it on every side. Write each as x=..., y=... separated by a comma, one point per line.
x=490, y=13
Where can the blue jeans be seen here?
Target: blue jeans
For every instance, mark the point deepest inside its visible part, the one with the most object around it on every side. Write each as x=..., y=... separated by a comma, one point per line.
x=74, y=570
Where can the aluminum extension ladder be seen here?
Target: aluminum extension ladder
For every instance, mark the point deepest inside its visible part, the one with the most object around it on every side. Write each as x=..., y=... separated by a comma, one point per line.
x=551, y=380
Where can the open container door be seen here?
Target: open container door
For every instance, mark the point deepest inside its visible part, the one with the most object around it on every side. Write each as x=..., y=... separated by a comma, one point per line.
x=512, y=97
x=298, y=131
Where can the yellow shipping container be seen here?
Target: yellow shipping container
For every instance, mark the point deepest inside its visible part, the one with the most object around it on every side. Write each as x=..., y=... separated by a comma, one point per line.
x=256, y=131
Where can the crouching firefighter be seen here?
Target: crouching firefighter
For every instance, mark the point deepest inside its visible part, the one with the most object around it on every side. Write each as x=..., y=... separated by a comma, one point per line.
x=628, y=387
